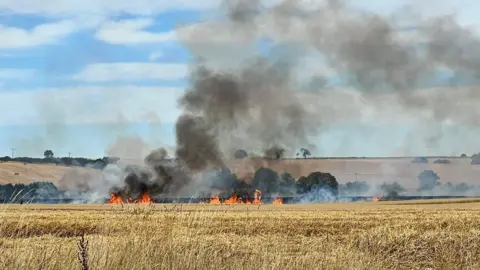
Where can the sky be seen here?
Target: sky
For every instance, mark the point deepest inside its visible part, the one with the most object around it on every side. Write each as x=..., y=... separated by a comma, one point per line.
x=77, y=75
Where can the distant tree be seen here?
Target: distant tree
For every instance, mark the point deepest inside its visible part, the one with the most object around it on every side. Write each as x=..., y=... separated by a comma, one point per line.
x=222, y=178
x=392, y=190
x=420, y=160
x=463, y=156
x=305, y=152
x=287, y=184
x=355, y=188
x=442, y=161
x=266, y=180
x=475, y=159
x=318, y=180
x=428, y=180
x=462, y=187
x=274, y=152
x=48, y=154
x=240, y=154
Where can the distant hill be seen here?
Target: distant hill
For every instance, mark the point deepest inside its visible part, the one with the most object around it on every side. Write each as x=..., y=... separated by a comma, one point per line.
x=375, y=170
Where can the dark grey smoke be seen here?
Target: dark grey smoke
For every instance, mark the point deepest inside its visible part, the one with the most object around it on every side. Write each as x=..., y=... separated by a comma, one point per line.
x=274, y=152
x=159, y=176
x=254, y=97
x=196, y=143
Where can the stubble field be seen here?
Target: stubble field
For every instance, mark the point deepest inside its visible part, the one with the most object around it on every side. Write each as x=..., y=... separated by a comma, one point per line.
x=381, y=235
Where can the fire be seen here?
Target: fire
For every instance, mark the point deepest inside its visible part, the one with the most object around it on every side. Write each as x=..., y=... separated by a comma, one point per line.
x=215, y=200
x=114, y=199
x=233, y=200
x=258, y=197
x=376, y=199
x=144, y=199
x=247, y=201
x=278, y=200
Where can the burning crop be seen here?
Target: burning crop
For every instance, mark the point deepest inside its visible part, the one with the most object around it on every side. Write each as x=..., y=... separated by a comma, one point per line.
x=118, y=199
x=235, y=199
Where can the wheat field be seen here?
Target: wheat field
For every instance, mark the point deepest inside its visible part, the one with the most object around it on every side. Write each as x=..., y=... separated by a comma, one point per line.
x=371, y=235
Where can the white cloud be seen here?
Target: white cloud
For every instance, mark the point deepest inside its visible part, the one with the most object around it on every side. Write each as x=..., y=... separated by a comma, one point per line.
x=90, y=105
x=13, y=37
x=129, y=72
x=16, y=74
x=130, y=32
x=140, y=7
x=154, y=56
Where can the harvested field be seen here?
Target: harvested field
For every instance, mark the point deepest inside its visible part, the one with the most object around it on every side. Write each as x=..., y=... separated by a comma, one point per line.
x=438, y=234
x=372, y=170
x=27, y=173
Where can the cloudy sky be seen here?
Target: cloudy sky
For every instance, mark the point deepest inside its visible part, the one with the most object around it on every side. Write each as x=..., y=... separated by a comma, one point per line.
x=76, y=75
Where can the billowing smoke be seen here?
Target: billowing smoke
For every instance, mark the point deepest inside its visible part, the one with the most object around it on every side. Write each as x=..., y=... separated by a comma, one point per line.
x=248, y=81
x=196, y=144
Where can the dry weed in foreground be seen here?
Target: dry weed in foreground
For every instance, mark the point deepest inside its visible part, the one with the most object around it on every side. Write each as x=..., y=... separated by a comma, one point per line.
x=343, y=236
x=82, y=252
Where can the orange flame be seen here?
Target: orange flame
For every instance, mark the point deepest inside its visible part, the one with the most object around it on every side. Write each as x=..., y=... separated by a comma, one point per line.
x=278, y=199
x=144, y=199
x=215, y=200
x=114, y=199
x=247, y=201
x=258, y=197
x=233, y=200
x=376, y=199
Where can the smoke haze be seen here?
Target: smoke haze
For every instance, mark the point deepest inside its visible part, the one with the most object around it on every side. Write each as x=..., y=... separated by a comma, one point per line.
x=272, y=78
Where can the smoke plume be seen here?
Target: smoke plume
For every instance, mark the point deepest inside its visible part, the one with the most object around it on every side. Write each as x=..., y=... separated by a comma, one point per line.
x=252, y=99
x=248, y=80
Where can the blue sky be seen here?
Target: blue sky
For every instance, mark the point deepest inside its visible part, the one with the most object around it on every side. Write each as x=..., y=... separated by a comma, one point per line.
x=76, y=75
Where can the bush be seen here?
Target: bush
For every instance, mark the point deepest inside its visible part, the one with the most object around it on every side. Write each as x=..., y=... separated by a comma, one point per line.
x=42, y=190
x=428, y=180
x=318, y=180
x=266, y=180
x=475, y=159
x=442, y=161
x=287, y=184
x=392, y=190
x=354, y=188
x=240, y=154
x=420, y=160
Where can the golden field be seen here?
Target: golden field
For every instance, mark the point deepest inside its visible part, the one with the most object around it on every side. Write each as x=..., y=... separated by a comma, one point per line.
x=382, y=235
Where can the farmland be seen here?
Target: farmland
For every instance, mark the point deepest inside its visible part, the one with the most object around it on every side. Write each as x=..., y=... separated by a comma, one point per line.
x=373, y=235
x=374, y=170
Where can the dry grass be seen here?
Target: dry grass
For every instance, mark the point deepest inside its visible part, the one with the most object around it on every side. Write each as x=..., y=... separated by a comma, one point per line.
x=323, y=236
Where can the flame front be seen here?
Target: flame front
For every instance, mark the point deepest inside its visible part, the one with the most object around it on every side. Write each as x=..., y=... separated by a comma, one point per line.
x=233, y=200
x=215, y=200
x=144, y=199
x=376, y=199
x=278, y=200
x=114, y=199
x=258, y=197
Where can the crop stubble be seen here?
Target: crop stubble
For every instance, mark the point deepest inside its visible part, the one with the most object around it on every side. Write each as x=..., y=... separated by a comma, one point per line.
x=382, y=235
